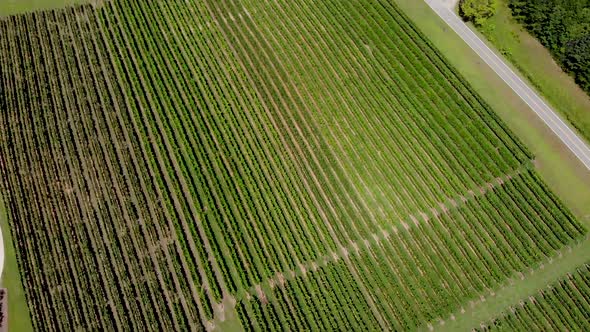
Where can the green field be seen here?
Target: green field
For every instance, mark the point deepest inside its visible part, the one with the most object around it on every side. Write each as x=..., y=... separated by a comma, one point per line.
x=561, y=306
x=564, y=173
x=184, y=165
x=520, y=289
x=15, y=7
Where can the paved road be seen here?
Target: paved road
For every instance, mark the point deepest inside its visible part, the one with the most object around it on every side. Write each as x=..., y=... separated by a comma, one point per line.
x=444, y=9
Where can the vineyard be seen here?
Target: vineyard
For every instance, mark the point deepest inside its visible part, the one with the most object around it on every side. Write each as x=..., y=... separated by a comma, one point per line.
x=564, y=306
x=257, y=165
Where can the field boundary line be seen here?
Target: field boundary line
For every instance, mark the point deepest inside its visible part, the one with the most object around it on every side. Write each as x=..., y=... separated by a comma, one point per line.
x=562, y=130
x=299, y=131
x=281, y=277
x=470, y=317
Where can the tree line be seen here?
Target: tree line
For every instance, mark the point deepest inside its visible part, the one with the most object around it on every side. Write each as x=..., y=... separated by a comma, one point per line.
x=563, y=26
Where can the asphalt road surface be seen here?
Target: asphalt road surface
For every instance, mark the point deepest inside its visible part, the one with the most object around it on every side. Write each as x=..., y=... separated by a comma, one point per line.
x=444, y=9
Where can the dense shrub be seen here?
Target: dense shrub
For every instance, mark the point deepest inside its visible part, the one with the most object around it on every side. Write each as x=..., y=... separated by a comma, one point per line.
x=477, y=11
x=563, y=26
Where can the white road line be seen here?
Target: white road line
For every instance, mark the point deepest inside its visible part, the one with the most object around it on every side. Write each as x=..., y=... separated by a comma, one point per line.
x=505, y=74
x=504, y=71
x=574, y=143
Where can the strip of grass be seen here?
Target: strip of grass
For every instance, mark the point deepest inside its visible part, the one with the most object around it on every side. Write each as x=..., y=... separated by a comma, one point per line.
x=13, y=7
x=557, y=165
x=535, y=63
x=18, y=311
x=521, y=289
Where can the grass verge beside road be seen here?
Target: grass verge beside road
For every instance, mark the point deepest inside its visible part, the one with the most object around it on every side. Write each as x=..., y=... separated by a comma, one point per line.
x=18, y=311
x=564, y=173
x=536, y=64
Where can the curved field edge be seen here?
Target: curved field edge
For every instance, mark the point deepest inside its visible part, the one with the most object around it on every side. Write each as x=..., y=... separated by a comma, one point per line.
x=18, y=310
x=557, y=166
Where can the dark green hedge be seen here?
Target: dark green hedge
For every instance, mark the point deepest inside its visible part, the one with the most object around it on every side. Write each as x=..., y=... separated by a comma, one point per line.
x=563, y=26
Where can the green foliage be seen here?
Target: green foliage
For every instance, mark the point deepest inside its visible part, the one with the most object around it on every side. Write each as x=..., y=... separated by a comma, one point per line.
x=562, y=303
x=242, y=171
x=577, y=59
x=15, y=7
x=563, y=26
x=477, y=11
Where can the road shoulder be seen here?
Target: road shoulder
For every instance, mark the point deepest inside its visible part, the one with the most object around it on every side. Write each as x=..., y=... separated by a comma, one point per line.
x=541, y=71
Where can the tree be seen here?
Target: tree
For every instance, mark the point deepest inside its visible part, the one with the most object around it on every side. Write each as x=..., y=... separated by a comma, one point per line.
x=477, y=11
x=577, y=60
x=563, y=26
